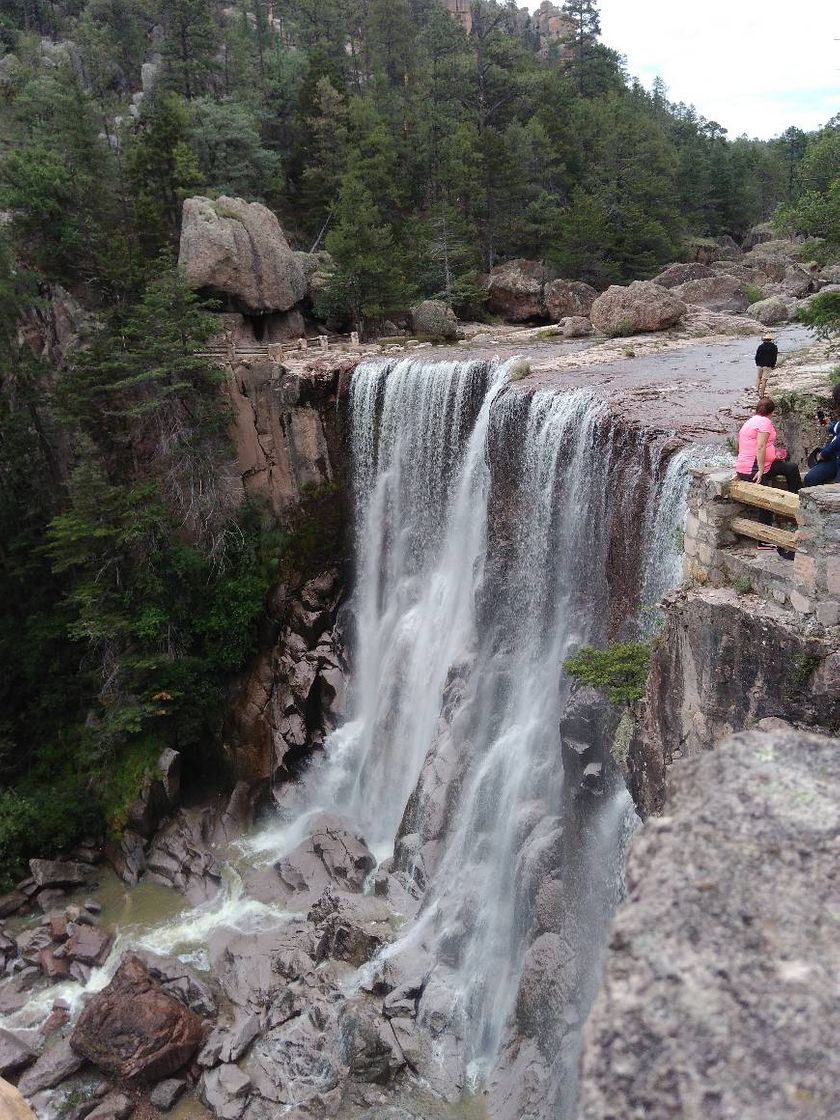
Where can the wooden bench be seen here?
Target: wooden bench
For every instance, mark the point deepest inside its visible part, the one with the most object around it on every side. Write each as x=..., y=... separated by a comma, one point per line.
x=780, y=502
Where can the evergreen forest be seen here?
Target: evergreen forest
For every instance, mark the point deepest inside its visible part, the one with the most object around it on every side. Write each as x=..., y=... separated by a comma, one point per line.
x=419, y=155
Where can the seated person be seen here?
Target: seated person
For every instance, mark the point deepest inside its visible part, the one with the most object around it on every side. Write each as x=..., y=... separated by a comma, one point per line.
x=827, y=467
x=758, y=460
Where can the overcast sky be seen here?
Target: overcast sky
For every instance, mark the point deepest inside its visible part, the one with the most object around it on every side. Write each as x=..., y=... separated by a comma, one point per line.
x=754, y=66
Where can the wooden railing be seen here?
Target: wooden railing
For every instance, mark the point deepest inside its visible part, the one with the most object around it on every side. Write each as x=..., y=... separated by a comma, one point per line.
x=781, y=502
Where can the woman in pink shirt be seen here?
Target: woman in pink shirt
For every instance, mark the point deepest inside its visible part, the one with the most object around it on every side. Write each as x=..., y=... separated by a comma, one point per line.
x=758, y=459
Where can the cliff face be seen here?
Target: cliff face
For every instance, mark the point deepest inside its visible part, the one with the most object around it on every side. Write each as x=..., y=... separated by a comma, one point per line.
x=724, y=662
x=718, y=998
x=285, y=427
x=290, y=454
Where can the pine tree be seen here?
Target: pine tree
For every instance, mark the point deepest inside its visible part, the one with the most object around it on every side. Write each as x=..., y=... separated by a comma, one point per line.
x=370, y=281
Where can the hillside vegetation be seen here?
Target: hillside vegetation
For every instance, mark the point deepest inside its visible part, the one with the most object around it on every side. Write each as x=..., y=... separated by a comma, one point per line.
x=418, y=155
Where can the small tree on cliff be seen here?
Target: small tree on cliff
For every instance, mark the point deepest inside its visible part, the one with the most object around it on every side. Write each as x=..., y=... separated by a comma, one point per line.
x=621, y=669
x=370, y=282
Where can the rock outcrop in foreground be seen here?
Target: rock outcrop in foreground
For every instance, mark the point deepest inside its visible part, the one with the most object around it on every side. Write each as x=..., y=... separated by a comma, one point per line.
x=719, y=997
x=237, y=249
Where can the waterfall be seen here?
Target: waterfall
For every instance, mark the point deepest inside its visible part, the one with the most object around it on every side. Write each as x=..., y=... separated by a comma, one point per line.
x=663, y=570
x=474, y=580
x=495, y=530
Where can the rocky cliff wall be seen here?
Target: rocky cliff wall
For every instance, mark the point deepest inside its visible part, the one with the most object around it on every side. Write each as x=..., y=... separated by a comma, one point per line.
x=723, y=662
x=285, y=428
x=718, y=997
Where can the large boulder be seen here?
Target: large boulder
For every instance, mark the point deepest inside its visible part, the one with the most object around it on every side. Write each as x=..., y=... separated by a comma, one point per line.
x=676, y=274
x=12, y=1104
x=318, y=269
x=15, y=1054
x=333, y=855
x=576, y=326
x=719, y=994
x=564, y=298
x=434, y=319
x=717, y=293
x=516, y=290
x=758, y=235
x=237, y=249
x=769, y=311
x=642, y=306
x=134, y=1029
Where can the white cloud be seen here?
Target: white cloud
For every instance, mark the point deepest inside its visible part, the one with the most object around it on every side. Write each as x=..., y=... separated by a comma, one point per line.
x=754, y=66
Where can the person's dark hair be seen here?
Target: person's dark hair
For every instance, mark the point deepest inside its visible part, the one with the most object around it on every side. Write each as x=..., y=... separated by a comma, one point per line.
x=765, y=407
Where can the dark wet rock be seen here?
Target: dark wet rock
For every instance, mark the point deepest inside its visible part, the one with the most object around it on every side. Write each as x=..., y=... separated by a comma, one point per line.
x=56, y=922
x=53, y=966
x=15, y=1054
x=333, y=855
x=236, y=1041
x=13, y=991
x=133, y=1028
x=89, y=945
x=167, y=1093
x=718, y=995
x=58, y=873
x=178, y=979
x=53, y=896
x=158, y=795
x=250, y=966
x=351, y=928
x=370, y=1047
x=56, y=1064
x=180, y=855
x=116, y=1106
x=80, y=972
x=32, y=941
x=439, y=1061
x=224, y=1091
x=128, y=857
x=12, y=902
x=57, y=1018
x=302, y=1059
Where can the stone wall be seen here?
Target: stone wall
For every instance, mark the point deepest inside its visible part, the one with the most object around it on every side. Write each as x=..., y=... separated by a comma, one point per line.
x=715, y=556
x=750, y=637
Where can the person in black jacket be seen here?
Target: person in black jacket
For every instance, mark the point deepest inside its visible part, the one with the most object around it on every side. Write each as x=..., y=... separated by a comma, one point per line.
x=765, y=360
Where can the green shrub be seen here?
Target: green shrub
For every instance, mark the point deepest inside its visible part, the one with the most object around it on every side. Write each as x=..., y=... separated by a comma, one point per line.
x=519, y=370
x=621, y=669
x=40, y=820
x=754, y=293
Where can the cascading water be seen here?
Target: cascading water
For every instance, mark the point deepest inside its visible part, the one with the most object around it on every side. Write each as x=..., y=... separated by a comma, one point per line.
x=663, y=570
x=485, y=525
